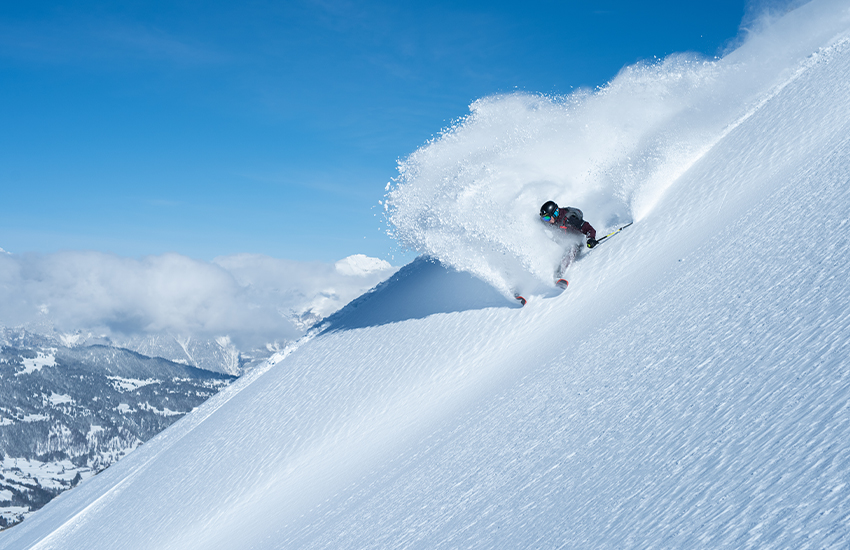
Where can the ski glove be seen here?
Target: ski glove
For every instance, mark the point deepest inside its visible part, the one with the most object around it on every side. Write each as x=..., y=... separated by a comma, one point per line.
x=591, y=243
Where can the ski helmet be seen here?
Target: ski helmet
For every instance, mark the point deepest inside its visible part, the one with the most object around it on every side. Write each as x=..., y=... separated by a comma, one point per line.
x=548, y=208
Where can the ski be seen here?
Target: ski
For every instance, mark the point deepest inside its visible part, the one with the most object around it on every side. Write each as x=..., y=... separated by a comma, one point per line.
x=520, y=298
x=562, y=283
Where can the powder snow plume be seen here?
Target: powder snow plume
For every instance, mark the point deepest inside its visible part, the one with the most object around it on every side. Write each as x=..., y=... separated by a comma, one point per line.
x=470, y=196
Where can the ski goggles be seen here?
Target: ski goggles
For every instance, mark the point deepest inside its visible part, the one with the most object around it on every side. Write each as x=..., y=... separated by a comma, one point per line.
x=550, y=218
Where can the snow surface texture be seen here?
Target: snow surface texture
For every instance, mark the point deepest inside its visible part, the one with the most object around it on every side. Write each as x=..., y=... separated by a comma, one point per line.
x=691, y=389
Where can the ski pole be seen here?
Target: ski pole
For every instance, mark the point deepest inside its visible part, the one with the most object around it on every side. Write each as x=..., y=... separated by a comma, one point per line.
x=613, y=232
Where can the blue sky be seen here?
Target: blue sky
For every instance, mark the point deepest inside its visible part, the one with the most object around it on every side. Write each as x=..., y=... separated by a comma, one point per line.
x=215, y=128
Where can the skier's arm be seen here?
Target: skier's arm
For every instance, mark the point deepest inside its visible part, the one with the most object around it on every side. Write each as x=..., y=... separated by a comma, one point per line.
x=588, y=230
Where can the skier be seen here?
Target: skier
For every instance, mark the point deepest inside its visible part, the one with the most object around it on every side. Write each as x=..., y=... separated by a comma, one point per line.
x=569, y=219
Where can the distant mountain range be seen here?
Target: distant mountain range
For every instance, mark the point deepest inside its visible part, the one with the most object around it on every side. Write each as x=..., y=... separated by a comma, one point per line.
x=71, y=406
x=216, y=355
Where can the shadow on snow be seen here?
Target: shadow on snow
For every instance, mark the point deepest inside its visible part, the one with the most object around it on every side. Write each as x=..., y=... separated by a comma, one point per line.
x=419, y=289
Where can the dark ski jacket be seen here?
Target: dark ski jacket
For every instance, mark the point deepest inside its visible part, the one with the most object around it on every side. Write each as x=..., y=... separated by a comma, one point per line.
x=572, y=219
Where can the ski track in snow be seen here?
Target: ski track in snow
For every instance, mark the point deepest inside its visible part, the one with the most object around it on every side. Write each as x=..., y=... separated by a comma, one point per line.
x=689, y=390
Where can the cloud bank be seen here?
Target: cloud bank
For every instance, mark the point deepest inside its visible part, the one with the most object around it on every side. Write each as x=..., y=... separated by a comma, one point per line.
x=253, y=299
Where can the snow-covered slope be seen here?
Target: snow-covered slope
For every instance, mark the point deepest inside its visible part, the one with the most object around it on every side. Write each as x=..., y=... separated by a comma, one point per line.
x=691, y=389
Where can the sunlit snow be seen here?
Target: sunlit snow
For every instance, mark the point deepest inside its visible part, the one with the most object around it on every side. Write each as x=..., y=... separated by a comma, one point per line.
x=691, y=388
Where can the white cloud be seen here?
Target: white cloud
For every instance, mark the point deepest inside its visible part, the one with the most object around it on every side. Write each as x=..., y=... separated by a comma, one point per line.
x=251, y=298
x=360, y=265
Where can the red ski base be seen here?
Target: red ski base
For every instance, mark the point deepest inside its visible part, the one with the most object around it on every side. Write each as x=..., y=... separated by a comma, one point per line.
x=562, y=283
x=520, y=298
